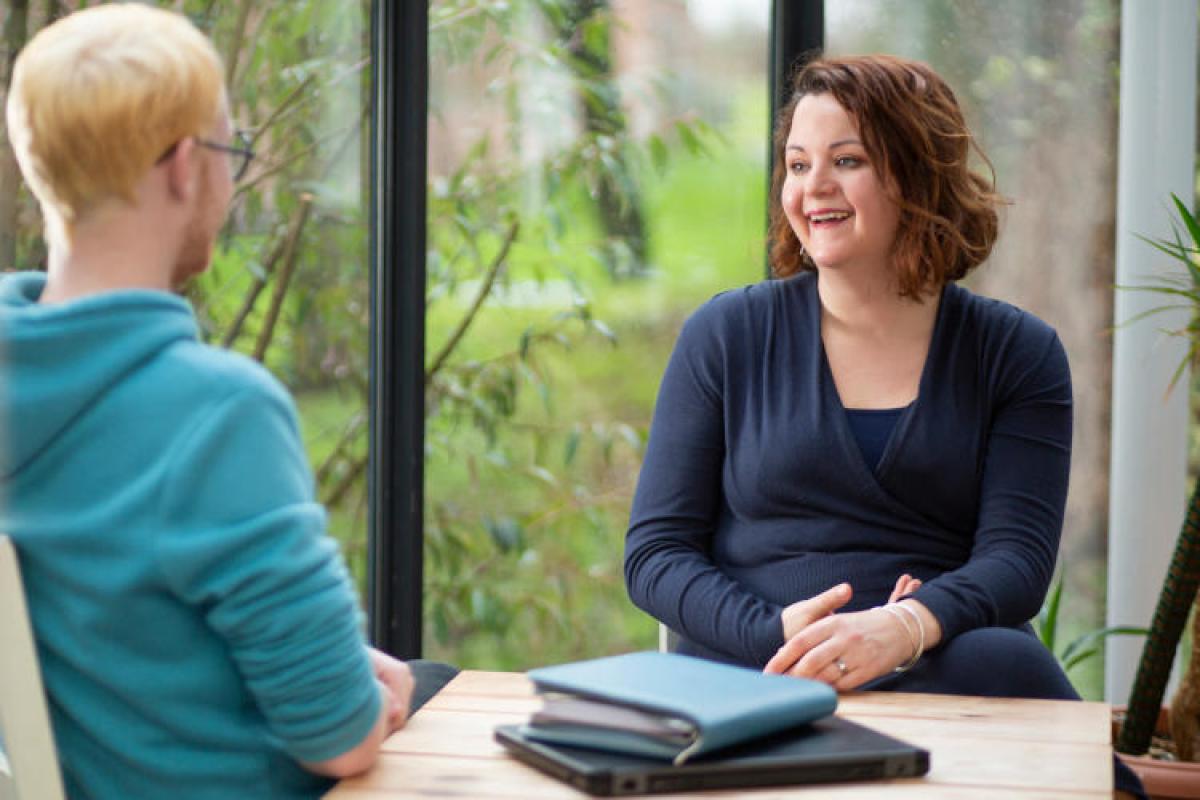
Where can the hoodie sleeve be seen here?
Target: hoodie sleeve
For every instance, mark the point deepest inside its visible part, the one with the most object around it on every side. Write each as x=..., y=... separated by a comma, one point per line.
x=244, y=542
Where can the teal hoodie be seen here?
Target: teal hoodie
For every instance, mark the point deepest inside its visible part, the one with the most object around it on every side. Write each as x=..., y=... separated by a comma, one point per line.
x=197, y=630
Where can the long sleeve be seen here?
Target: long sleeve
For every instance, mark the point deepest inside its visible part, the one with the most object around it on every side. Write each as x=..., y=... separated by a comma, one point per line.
x=245, y=544
x=1023, y=490
x=669, y=569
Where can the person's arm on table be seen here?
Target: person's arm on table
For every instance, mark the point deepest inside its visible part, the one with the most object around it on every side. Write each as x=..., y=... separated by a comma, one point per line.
x=395, y=688
x=247, y=547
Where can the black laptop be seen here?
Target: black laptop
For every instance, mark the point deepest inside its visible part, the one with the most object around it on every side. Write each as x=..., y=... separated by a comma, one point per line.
x=826, y=751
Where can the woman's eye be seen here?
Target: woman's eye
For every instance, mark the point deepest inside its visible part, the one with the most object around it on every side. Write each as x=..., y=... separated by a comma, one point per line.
x=848, y=161
x=798, y=167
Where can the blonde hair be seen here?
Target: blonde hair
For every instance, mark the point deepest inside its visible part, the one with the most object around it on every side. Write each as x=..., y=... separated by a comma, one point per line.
x=99, y=96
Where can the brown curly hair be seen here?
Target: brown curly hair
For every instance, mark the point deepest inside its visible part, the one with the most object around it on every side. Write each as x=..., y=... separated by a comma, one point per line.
x=914, y=133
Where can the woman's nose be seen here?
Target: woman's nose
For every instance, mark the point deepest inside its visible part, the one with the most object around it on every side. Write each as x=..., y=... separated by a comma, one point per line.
x=820, y=178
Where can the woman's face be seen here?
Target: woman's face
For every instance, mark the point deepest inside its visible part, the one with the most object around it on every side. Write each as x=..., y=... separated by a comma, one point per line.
x=834, y=199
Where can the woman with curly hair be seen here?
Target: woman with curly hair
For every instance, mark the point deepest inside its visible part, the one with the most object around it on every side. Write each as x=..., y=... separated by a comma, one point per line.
x=857, y=472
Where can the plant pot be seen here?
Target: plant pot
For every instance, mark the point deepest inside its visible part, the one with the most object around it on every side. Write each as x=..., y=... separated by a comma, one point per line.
x=1163, y=780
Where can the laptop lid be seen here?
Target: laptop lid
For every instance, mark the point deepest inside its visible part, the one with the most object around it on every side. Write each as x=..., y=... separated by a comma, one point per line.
x=829, y=750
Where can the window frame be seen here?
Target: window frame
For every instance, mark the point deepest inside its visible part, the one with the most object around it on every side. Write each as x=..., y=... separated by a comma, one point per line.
x=395, y=537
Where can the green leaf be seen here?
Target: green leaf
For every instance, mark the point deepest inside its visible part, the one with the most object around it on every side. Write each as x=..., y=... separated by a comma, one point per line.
x=1048, y=616
x=594, y=34
x=481, y=607
x=1193, y=226
x=658, y=152
x=689, y=138
x=544, y=475
x=572, y=446
x=1185, y=288
x=603, y=329
x=1079, y=658
x=506, y=533
x=1079, y=648
x=632, y=437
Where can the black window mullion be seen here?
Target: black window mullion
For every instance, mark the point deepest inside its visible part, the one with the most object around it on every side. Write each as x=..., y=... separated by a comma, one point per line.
x=400, y=72
x=797, y=34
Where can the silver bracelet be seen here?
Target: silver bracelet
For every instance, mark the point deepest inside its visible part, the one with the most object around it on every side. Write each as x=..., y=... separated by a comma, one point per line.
x=912, y=637
x=906, y=666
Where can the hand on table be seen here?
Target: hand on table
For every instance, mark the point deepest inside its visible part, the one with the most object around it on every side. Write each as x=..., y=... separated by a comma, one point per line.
x=397, y=682
x=843, y=650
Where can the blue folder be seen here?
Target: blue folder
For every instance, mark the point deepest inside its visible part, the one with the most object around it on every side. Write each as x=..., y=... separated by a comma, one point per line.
x=725, y=705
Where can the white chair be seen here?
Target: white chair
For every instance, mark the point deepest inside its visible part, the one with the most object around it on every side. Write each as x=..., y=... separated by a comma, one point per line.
x=30, y=771
x=668, y=640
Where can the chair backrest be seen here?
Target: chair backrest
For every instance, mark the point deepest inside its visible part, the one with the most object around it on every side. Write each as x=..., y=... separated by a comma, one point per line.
x=29, y=764
x=668, y=640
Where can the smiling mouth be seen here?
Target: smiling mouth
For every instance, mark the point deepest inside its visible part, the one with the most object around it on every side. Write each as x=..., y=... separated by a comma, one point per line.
x=828, y=217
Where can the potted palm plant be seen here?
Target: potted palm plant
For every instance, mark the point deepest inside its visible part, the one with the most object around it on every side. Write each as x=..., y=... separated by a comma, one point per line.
x=1145, y=715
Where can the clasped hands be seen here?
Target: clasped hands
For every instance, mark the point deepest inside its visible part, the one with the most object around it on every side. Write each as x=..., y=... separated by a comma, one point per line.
x=848, y=650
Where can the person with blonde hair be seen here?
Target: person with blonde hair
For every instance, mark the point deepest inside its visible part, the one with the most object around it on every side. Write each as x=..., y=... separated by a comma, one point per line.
x=197, y=630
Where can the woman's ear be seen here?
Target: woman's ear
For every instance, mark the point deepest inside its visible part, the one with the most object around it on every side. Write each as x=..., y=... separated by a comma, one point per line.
x=181, y=170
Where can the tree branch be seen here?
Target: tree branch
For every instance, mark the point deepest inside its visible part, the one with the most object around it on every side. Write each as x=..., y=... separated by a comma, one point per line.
x=346, y=483
x=279, y=166
x=339, y=450
x=279, y=109
x=285, y=277
x=289, y=103
x=485, y=289
x=255, y=290
x=239, y=37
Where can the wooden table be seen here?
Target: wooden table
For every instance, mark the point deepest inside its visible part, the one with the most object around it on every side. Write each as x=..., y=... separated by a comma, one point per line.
x=980, y=748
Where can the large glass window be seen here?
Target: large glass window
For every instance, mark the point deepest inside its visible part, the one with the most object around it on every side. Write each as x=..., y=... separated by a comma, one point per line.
x=288, y=284
x=596, y=170
x=1039, y=85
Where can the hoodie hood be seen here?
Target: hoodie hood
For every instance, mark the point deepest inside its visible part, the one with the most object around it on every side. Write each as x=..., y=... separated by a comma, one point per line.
x=57, y=360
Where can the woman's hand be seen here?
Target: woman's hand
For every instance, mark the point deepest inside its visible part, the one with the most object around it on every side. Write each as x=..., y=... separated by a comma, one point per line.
x=847, y=650
x=906, y=585
x=397, y=681
x=800, y=615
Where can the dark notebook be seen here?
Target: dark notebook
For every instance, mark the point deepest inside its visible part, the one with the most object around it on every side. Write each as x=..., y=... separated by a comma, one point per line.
x=826, y=751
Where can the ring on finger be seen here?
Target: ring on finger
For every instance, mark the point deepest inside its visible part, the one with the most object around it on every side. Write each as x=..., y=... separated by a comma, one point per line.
x=841, y=665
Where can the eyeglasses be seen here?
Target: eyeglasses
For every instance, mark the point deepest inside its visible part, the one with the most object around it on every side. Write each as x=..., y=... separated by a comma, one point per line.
x=241, y=152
